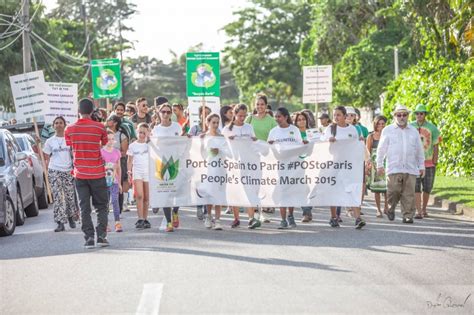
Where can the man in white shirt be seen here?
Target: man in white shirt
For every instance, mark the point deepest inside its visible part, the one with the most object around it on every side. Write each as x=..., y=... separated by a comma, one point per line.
x=400, y=144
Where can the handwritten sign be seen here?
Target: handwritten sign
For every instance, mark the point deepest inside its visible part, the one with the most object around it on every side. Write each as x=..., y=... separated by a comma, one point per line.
x=29, y=94
x=62, y=101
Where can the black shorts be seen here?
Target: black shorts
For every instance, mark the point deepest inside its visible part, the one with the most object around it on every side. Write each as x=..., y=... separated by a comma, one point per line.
x=123, y=168
x=427, y=181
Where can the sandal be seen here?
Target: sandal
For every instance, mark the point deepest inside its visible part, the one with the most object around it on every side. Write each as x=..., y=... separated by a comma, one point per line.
x=425, y=215
x=379, y=214
x=418, y=216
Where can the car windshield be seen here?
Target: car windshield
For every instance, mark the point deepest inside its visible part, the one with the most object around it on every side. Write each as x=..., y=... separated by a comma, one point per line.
x=22, y=142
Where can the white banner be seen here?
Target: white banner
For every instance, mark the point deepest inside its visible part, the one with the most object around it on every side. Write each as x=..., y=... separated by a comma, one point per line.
x=213, y=170
x=29, y=94
x=317, y=84
x=213, y=102
x=62, y=101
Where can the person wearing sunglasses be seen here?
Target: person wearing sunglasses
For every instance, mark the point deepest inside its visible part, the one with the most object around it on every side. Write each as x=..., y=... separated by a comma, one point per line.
x=401, y=146
x=168, y=128
x=430, y=137
x=142, y=114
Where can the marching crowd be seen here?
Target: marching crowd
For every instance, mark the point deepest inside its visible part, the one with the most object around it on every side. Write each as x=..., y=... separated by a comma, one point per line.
x=96, y=161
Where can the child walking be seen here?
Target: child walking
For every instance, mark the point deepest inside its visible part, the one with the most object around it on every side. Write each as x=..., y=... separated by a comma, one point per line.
x=212, y=122
x=113, y=175
x=137, y=167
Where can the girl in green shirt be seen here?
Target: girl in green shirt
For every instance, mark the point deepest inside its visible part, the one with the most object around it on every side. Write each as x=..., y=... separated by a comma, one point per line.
x=261, y=122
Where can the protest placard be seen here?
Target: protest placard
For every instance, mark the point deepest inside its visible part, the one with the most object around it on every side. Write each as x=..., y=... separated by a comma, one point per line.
x=62, y=101
x=317, y=84
x=202, y=74
x=29, y=94
x=194, y=103
x=106, y=78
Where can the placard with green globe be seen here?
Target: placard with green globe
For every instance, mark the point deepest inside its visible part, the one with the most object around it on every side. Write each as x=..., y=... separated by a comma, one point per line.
x=106, y=78
x=202, y=74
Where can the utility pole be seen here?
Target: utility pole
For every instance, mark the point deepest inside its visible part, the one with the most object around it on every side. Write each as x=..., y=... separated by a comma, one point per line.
x=86, y=32
x=27, y=68
x=26, y=36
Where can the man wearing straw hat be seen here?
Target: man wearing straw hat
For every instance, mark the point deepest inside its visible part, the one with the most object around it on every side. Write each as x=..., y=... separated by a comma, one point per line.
x=401, y=146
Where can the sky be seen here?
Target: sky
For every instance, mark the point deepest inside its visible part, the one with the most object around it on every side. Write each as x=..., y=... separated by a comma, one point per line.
x=163, y=25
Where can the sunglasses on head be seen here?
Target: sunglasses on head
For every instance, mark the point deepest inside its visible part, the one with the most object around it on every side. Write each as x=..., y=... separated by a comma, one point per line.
x=401, y=115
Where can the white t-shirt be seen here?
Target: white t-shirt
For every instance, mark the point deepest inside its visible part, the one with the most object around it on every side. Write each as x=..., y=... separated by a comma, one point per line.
x=290, y=134
x=172, y=130
x=342, y=133
x=139, y=151
x=60, y=154
x=239, y=132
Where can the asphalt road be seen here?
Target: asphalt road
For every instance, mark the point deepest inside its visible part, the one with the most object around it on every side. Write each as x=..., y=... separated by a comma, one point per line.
x=388, y=267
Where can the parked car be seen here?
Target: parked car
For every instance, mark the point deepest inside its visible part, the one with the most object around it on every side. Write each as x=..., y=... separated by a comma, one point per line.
x=29, y=146
x=17, y=191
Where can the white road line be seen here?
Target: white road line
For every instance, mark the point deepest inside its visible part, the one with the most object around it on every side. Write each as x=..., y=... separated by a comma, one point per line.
x=150, y=300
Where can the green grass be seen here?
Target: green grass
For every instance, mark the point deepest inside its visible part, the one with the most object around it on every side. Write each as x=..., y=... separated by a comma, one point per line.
x=458, y=189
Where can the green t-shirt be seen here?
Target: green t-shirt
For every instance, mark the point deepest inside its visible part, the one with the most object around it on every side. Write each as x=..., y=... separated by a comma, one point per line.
x=430, y=136
x=304, y=136
x=364, y=130
x=261, y=127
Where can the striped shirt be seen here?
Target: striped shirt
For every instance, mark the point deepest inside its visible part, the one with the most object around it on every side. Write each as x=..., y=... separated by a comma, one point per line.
x=86, y=137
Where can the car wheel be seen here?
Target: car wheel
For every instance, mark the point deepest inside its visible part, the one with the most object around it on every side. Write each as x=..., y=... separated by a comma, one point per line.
x=20, y=210
x=32, y=210
x=43, y=198
x=10, y=218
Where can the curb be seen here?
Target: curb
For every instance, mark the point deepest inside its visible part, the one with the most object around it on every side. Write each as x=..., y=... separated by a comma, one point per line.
x=452, y=207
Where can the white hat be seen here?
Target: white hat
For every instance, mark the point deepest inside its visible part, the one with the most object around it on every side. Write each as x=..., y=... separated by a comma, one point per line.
x=350, y=110
x=400, y=108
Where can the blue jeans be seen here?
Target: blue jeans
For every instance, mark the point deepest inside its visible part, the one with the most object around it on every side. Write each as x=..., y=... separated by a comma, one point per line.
x=114, y=198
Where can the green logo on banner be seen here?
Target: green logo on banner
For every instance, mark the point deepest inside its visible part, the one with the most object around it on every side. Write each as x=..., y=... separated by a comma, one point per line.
x=106, y=78
x=202, y=74
x=167, y=169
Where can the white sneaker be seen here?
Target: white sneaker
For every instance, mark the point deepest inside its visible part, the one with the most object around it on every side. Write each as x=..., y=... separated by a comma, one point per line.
x=218, y=225
x=208, y=222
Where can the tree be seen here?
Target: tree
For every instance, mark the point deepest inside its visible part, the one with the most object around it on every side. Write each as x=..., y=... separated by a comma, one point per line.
x=442, y=27
x=264, y=44
x=47, y=33
x=367, y=67
x=338, y=25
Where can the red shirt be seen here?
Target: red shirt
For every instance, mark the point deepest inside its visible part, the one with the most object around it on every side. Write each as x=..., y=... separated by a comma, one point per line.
x=86, y=137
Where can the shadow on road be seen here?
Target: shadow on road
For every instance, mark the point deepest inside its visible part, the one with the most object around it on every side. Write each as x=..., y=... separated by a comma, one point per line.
x=192, y=239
